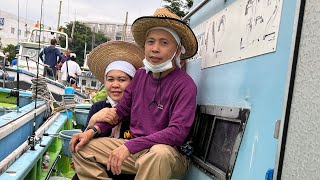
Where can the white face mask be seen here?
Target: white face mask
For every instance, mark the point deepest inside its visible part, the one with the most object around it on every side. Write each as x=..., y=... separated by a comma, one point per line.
x=159, y=67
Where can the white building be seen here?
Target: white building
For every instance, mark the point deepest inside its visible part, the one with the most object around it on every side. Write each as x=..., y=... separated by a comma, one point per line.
x=115, y=31
x=9, y=28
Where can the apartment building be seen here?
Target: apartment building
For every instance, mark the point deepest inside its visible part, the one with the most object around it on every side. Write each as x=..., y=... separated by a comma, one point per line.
x=115, y=31
x=12, y=28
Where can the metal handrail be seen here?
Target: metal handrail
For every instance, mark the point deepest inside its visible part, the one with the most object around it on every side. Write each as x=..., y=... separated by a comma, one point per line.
x=44, y=65
x=194, y=10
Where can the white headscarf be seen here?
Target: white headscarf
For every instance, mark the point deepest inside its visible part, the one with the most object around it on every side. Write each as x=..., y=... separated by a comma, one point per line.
x=121, y=65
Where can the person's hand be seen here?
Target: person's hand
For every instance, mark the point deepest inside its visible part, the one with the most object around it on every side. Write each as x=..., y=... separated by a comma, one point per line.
x=116, y=159
x=108, y=115
x=80, y=139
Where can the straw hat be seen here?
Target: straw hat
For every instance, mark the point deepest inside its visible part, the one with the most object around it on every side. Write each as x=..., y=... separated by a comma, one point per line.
x=101, y=56
x=164, y=18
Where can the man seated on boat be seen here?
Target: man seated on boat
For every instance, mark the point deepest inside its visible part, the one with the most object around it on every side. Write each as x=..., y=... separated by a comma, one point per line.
x=161, y=104
x=70, y=70
x=51, y=53
x=113, y=63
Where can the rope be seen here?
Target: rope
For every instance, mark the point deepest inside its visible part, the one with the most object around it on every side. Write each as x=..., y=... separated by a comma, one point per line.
x=40, y=89
x=44, y=93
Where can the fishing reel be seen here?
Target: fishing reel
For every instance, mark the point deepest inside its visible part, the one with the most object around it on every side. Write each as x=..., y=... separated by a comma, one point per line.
x=33, y=141
x=13, y=93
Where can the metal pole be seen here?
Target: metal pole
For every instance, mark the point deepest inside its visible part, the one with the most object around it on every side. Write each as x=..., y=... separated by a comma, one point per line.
x=93, y=37
x=59, y=14
x=18, y=71
x=85, y=50
x=124, y=30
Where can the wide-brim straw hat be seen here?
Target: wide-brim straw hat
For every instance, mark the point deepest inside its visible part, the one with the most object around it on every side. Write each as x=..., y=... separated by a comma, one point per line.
x=101, y=56
x=165, y=18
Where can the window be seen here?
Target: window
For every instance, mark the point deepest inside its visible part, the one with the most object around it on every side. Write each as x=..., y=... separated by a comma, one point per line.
x=83, y=82
x=19, y=32
x=1, y=21
x=12, y=30
x=93, y=83
x=221, y=146
x=216, y=135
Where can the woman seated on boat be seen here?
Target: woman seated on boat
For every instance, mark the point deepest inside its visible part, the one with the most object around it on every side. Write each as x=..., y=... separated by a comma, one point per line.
x=115, y=65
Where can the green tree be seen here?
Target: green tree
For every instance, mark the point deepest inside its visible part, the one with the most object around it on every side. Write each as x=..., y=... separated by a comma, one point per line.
x=179, y=7
x=11, y=49
x=82, y=34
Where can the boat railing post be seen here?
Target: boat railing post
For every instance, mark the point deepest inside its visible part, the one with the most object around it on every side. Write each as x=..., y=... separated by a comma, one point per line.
x=27, y=60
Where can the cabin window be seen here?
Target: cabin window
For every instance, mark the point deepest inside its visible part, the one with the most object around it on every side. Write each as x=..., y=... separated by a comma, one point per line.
x=216, y=135
x=93, y=83
x=83, y=82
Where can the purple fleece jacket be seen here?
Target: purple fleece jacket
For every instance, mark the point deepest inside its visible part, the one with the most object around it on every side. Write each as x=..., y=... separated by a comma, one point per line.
x=150, y=125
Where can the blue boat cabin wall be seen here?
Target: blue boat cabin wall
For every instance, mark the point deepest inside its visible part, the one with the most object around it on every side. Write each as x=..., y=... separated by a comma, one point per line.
x=257, y=83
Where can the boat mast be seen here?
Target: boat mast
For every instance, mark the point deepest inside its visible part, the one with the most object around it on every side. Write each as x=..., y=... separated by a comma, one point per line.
x=93, y=37
x=124, y=30
x=59, y=14
x=73, y=24
x=85, y=50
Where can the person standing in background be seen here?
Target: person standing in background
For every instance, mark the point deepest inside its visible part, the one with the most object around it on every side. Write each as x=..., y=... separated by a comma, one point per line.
x=51, y=54
x=70, y=70
x=65, y=57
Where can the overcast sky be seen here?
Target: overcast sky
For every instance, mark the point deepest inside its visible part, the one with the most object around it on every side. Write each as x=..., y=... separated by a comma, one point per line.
x=87, y=10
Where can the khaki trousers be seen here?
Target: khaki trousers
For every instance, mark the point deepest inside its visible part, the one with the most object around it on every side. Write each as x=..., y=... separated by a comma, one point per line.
x=59, y=74
x=160, y=162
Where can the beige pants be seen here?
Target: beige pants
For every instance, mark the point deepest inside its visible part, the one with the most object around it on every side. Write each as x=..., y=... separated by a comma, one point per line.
x=59, y=74
x=160, y=162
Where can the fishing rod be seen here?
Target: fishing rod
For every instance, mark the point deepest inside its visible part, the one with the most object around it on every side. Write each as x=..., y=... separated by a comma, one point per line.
x=18, y=76
x=32, y=141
